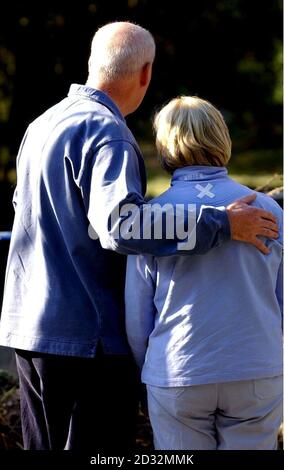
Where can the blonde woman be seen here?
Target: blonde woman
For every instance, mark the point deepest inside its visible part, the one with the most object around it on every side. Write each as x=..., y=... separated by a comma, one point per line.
x=206, y=330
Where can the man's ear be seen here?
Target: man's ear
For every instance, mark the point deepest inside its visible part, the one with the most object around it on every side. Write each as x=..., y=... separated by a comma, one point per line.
x=146, y=73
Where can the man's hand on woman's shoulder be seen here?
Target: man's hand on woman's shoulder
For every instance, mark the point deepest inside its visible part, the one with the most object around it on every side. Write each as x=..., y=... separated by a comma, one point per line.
x=248, y=223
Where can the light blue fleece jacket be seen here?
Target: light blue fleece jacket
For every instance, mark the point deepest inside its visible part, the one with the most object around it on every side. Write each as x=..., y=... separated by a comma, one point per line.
x=210, y=318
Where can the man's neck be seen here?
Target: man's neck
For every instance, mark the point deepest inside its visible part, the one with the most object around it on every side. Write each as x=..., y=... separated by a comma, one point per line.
x=121, y=99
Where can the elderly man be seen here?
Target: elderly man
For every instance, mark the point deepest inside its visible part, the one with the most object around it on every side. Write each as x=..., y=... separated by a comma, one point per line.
x=63, y=308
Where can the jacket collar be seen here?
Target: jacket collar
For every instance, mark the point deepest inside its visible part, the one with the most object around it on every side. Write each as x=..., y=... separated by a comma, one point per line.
x=95, y=95
x=198, y=173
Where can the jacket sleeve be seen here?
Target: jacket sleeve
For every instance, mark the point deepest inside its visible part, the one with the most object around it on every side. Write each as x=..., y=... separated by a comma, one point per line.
x=139, y=304
x=15, y=194
x=279, y=289
x=116, y=209
x=15, y=198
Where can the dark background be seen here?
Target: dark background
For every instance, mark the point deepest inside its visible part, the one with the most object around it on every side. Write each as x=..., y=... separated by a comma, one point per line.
x=228, y=51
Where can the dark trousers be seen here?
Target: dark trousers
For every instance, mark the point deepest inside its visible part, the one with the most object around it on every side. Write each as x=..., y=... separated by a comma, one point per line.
x=77, y=403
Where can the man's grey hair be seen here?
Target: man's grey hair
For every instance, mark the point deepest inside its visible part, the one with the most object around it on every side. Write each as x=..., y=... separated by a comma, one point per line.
x=120, y=49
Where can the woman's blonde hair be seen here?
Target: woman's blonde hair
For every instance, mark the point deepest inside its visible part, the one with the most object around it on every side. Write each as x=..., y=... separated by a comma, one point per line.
x=191, y=131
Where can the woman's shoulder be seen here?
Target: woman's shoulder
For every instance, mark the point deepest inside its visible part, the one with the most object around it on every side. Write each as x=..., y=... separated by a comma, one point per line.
x=266, y=201
x=263, y=200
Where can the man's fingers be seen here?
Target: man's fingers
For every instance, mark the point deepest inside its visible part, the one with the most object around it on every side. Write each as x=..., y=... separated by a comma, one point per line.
x=265, y=232
x=260, y=245
x=248, y=223
x=264, y=214
x=270, y=225
x=247, y=199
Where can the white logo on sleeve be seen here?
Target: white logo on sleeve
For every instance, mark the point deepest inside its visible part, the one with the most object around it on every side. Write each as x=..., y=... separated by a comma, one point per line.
x=204, y=191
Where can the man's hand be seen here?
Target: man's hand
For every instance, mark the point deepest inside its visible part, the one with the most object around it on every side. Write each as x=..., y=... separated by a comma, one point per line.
x=247, y=223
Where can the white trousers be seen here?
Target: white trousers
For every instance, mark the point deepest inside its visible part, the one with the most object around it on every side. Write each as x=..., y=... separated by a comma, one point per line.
x=243, y=415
